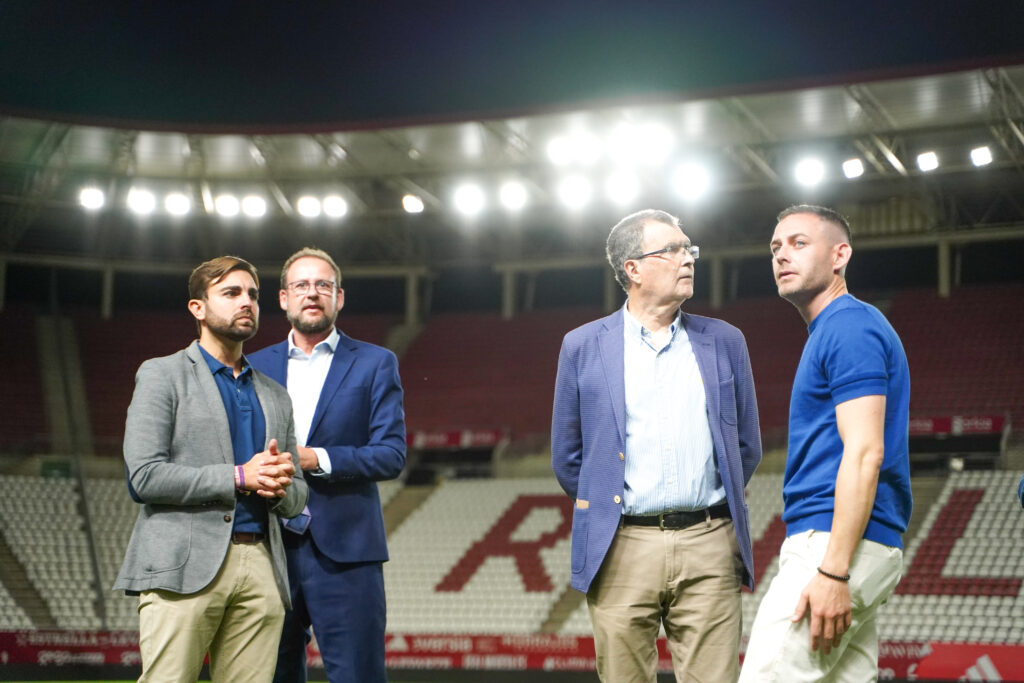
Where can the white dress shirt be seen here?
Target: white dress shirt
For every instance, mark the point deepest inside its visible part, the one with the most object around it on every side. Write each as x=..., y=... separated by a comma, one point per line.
x=306, y=377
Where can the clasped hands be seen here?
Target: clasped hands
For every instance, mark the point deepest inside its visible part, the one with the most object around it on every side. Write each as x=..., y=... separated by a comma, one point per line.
x=269, y=472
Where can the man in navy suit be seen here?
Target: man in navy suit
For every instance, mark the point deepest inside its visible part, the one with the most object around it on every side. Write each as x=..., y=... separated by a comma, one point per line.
x=655, y=435
x=350, y=428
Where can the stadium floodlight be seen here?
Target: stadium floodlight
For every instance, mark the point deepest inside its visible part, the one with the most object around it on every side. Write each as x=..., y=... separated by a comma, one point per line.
x=92, y=198
x=254, y=206
x=622, y=187
x=513, y=195
x=141, y=202
x=928, y=161
x=981, y=156
x=177, y=204
x=853, y=168
x=469, y=199
x=559, y=150
x=334, y=206
x=691, y=181
x=809, y=171
x=648, y=143
x=412, y=204
x=308, y=206
x=579, y=147
x=575, y=191
x=226, y=205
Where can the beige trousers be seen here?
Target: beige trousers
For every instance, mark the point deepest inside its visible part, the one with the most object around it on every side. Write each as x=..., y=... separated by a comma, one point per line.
x=237, y=619
x=687, y=579
x=780, y=651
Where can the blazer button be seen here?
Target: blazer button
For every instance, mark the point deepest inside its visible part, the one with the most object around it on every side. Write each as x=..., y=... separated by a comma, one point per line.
x=622, y=456
x=227, y=518
x=617, y=500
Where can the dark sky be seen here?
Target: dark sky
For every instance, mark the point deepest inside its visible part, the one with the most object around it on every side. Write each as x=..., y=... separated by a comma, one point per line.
x=274, y=66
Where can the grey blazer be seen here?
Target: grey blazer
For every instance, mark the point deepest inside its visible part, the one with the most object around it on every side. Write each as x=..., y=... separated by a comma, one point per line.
x=177, y=448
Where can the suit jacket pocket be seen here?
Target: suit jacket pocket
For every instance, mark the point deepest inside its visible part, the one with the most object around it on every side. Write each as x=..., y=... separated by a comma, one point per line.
x=166, y=540
x=580, y=524
x=727, y=400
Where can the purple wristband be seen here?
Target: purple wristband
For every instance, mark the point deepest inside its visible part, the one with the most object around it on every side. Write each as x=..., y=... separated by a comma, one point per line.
x=241, y=477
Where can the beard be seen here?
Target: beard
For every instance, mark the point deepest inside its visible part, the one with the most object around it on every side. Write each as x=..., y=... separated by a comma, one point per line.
x=315, y=326
x=231, y=329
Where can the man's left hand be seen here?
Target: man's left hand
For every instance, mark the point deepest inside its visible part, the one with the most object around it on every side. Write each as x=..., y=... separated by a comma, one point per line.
x=308, y=460
x=828, y=602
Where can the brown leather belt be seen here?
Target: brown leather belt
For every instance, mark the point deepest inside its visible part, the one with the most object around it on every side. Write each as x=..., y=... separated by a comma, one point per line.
x=680, y=519
x=247, y=537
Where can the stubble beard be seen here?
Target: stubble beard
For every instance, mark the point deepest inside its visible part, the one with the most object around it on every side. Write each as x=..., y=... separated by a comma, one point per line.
x=315, y=326
x=230, y=331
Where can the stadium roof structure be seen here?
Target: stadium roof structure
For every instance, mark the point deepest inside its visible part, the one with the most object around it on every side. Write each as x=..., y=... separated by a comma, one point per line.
x=632, y=106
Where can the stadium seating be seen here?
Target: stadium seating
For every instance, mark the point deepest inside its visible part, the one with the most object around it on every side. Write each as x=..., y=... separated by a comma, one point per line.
x=23, y=418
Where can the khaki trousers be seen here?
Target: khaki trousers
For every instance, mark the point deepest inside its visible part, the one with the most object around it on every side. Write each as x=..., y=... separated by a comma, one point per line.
x=687, y=579
x=780, y=651
x=237, y=619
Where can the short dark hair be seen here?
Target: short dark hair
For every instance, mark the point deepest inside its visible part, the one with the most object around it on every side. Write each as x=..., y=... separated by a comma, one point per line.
x=824, y=213
x=625, y=239
x=213, y=271
x=314, y=253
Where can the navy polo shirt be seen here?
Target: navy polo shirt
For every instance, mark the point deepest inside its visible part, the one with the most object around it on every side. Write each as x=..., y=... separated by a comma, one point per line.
x=248, y=428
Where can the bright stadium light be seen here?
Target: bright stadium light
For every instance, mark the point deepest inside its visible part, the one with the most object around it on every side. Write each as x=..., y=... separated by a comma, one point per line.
x=622, y=187
x=469, y=199
x=141, y=202
x=226, y=205
x=579, y=147
x=809, y=171
x=513, y=195
x=927, y=161
x=308, y=206
x=559, y=150
x=92, y=198
x=575, y=191
x=412, y=204
x=691, y=181
x=853, y=168
x=335, y=206
x=981, y=156
x=254, y=206
x=177, y=204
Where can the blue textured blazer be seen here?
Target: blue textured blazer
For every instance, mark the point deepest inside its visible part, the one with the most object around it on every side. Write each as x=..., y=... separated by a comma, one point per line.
x=588, y=429
x=360, y=421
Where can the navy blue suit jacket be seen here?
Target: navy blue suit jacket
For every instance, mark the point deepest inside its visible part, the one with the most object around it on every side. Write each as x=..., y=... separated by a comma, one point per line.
x=360, y=421
x=588, y=429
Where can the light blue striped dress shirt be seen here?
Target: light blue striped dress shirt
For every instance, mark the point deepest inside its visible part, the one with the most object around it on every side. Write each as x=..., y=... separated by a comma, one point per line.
x=670, y=462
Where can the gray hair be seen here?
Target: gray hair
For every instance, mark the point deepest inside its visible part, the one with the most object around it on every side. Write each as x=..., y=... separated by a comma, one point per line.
x=626, y=238
x=314, y=253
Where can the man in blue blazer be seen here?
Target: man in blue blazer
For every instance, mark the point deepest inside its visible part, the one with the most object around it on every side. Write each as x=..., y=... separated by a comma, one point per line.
x=654, y=435
x=350, y=429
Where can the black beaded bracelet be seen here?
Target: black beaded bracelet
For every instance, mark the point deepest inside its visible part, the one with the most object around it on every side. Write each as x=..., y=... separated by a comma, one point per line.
x=834, y=577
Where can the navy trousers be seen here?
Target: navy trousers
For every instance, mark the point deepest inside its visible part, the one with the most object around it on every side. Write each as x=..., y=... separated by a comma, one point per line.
x=344, y=603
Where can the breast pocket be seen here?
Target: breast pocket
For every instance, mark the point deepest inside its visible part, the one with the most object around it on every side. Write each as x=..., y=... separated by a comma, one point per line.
x=727, y=400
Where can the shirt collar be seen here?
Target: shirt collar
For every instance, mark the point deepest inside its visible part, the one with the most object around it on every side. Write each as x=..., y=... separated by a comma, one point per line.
x=633, y=328
x=330, y=343
x=216, y=366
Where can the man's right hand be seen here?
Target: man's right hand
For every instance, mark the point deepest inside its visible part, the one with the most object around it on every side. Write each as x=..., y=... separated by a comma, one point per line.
x=269, y=472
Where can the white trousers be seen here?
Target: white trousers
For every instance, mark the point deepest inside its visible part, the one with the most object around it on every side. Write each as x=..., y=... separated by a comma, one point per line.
x=780, y=650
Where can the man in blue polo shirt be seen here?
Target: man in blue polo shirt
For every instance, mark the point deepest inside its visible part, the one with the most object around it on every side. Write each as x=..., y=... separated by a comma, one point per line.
x=846, y=493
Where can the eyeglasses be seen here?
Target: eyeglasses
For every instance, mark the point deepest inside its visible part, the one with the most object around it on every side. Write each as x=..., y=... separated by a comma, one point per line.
x=301, y=287
x=673, y=249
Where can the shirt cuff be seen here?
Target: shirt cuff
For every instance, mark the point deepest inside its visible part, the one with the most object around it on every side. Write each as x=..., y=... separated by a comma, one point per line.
x=325, y=462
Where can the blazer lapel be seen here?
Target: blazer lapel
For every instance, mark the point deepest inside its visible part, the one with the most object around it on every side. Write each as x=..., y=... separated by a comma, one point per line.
x=214, y=403
x=612, y=349
x=341, y=363
x=703, y=346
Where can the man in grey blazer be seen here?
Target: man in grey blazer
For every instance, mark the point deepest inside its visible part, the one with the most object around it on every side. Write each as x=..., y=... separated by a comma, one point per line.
x=208, y=448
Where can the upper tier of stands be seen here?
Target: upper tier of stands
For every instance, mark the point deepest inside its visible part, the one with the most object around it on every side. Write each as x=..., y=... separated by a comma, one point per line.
x=23, y=418
x=112, y=350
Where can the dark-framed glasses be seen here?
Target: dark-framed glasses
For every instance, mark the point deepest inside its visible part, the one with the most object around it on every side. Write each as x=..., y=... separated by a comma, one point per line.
x=673, y=249
x=301, y=287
